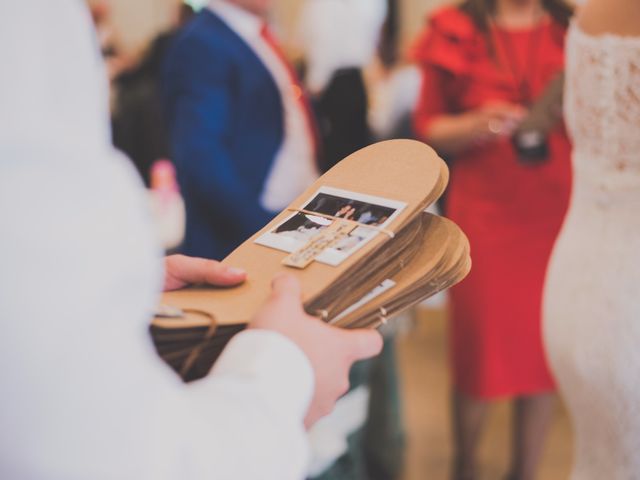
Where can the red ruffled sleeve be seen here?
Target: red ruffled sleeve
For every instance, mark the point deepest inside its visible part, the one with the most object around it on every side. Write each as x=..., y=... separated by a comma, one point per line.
x=450, y=41
x=445, y=51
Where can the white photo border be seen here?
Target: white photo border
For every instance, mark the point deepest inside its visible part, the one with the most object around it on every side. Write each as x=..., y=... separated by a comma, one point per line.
x=333, y=256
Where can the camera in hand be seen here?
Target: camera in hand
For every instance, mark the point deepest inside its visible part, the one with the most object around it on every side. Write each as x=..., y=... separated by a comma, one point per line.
x=531, y=138
x=531, y=145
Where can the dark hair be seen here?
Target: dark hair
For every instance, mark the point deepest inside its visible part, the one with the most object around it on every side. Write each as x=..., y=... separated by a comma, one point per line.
x=480, y=11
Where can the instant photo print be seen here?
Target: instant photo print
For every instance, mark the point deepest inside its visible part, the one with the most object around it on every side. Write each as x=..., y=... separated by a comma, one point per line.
x=368, y=214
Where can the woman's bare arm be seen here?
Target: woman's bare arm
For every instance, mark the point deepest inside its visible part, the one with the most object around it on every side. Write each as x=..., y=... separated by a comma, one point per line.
x=620, y=17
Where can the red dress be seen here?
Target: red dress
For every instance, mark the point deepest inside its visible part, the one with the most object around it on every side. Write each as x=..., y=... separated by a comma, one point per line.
x=511, y=212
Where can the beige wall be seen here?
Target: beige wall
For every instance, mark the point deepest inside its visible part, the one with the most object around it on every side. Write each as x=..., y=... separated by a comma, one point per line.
x=413, y=16
x=137, y=21
x=140, y=20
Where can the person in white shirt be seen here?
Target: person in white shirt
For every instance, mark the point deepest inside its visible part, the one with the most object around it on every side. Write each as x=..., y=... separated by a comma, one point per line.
x=83, y=394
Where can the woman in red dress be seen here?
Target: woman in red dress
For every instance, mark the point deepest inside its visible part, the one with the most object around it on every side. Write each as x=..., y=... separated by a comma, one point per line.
x=483, y=64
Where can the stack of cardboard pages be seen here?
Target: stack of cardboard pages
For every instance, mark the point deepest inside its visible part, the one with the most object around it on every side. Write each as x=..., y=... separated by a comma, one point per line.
x=359, y=240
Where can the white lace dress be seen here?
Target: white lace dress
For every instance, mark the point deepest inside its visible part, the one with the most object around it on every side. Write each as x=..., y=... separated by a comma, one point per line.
x=592, y=293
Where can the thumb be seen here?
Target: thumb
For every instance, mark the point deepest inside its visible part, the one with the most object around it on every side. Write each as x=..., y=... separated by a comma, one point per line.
x=362, y=343
x=286, y=285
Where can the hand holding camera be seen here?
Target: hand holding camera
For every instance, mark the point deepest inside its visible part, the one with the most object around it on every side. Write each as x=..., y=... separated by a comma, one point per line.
x=530, y=138
x=495, y=120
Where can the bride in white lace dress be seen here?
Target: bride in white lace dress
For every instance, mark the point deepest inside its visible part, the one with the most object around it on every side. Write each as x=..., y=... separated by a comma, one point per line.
x=592, y=298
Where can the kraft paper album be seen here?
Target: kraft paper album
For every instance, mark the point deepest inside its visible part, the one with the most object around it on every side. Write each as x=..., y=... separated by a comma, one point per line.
x=358, y=239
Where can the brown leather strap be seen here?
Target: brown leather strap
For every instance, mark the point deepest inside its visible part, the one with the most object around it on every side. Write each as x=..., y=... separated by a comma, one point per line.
x=197, y=350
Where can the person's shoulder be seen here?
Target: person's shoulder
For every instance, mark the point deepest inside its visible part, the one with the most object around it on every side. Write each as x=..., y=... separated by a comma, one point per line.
x=451, y=20
x=203, y=36
x=205, y=28
x=449, y=40
x=603, y=17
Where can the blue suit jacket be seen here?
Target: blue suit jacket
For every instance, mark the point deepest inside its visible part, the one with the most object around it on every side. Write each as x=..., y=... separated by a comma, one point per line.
x=226, y=125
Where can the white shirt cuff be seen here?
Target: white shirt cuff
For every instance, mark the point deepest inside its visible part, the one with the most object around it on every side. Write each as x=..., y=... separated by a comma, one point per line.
x=281, y=368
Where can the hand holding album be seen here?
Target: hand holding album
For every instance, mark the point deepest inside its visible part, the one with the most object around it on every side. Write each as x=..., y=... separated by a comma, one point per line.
x=358, y=240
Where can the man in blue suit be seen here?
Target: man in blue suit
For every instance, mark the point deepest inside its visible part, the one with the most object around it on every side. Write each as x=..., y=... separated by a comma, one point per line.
x=241, y=134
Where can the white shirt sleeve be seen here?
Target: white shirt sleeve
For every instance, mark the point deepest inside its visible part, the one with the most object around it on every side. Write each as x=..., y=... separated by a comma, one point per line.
x=248, y=414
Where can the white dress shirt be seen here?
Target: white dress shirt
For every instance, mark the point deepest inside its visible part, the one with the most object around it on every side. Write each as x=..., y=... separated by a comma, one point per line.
x=294, y=168
x=335, y=34
x=84, y=395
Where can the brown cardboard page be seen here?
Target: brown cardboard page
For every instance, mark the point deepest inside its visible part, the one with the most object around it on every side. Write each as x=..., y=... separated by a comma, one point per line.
x=443, y=260
x=433, y=254
x=377, y=266
x=456, y=271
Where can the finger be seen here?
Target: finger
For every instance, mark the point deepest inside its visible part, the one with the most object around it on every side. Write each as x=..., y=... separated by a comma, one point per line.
x=189, y=270
x=506, y=110
x=223, y=275
x=516, y=112
x=284, y=303
x=520, y=110
x=286, y=286
x=363, y=343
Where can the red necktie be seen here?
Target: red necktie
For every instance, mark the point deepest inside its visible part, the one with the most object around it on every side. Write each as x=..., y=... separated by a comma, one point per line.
x=296, y=87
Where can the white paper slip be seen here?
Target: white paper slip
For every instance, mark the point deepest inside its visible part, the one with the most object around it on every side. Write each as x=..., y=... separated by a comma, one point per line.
x=379, y=290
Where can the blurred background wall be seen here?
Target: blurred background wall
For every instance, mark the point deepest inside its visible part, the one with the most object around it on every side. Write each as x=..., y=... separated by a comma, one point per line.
x=138, y=21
